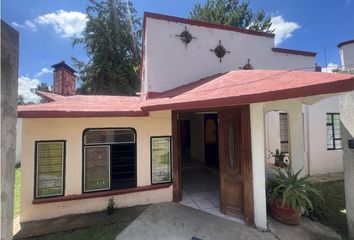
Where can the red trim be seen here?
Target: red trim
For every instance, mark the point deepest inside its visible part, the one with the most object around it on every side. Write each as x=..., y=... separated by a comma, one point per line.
x=324, y=88
x=100, y=194
x=341, y=44
x=205, y=24
x=77, y=114
x=296, y=52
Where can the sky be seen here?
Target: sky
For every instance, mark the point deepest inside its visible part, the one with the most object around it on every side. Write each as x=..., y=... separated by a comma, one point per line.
x=47, y=28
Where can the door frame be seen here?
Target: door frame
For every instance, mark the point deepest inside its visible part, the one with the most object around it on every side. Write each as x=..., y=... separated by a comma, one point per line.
x=246, y=153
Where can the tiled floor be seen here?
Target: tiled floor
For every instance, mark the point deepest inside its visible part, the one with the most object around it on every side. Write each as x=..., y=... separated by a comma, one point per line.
x=201, y=190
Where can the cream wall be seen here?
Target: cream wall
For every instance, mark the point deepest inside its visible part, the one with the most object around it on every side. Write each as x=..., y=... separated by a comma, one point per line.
x=71, y=129
x=168, y=63
x=322, y=160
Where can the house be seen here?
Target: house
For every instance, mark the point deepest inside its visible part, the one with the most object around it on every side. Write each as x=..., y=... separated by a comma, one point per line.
x=323, y=146
x=200, y=104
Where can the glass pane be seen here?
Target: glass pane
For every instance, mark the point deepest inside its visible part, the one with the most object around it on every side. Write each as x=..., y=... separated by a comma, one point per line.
x=50, y=169
x=97, y=168
x=338, y=144
x=231, y=143
x=161, y=159
x=329, y=118
x=104, y=136
x=284, y=147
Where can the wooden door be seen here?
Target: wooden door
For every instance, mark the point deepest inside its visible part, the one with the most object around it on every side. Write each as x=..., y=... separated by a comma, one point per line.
x=235, y=164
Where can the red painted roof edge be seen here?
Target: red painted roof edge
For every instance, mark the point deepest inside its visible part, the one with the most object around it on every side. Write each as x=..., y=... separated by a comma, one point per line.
x=296, y=52
x=341, y=44
x=78, y=114
x=205, y=24
x=318, y=89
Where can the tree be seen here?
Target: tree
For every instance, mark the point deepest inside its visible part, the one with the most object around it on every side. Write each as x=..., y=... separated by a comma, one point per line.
x=111, y=42
x=231, y=13
x=43, y=87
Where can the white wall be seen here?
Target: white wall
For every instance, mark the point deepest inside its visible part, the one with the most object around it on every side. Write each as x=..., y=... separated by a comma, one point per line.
x=272, y=127
x=322, y=160
x=168, y=63
x=347, y=56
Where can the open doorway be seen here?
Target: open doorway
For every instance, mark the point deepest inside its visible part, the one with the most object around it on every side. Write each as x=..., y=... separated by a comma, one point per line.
x=212, y=162
x=200, y=161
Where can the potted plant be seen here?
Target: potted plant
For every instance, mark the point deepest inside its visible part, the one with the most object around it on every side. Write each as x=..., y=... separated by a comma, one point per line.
x=289, y=193
x=278, y=158
x=110, y=206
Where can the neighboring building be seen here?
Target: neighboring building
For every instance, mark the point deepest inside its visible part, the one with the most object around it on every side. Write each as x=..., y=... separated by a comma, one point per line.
x=196, y=108
x=323, y=146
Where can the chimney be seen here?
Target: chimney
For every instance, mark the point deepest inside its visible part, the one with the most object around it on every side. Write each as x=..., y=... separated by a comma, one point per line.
x=64, y=82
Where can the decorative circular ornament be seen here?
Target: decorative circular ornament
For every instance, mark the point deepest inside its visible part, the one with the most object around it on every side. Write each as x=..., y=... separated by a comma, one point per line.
x=186, y=37
x=220, y=51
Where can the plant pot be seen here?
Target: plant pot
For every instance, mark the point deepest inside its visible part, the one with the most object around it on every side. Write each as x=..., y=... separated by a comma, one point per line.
x=110, y=210
x=285, y=214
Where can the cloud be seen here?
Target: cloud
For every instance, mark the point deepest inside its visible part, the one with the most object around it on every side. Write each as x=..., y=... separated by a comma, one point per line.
x=330, y=67
x=17, y=25
x=283, y=29
x=31, y=25
x=26, y=88
x=42, y=72
x=66, y=24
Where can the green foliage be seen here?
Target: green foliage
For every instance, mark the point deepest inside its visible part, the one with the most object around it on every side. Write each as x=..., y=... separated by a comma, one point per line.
x=111, y=42
x=111, y=202
x=292, y=189
x=232, y=13
x=17, y=191
x=330, y=211
x=43, y=87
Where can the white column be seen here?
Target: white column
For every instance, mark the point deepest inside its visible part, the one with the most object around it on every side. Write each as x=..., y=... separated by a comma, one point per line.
x=258, y=165
x=296, y=137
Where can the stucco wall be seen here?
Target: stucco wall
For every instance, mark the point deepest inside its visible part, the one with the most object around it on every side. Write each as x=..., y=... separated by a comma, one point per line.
x=168, y=63
x=346, y=53
x=157, y=124
x=321, y=159
x=347, y=119
x=8, y=95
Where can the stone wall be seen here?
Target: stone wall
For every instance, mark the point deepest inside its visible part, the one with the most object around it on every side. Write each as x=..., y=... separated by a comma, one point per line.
x=347, y=118
x=9, y=78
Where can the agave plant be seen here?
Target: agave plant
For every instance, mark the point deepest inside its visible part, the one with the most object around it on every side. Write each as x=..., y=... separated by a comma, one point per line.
x=292, y=190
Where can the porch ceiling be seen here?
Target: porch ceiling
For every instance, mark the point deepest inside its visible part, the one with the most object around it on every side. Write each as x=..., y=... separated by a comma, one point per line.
x=250, y=86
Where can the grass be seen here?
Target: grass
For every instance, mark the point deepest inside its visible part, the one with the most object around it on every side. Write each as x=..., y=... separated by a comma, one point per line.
x=17, y=189
x=102, y=232
x=331, y=211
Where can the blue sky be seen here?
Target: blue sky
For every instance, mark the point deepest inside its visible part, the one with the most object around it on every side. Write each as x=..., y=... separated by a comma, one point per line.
x=46, y=28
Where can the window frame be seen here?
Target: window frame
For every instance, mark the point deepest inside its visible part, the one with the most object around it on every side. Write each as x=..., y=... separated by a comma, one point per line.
x=110, y=157
x=171, y=160
x=287, y=126
x=35, y=195
x=333, y=132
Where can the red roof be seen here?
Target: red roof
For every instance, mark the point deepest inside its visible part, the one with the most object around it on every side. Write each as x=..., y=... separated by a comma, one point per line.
x=84, y=106
x=230, y=89
x=250, y=86
x=50, y=96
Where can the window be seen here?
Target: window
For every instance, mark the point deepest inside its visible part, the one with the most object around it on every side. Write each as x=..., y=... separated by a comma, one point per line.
x=49, y=168
x=284, y=132
x=109, y=159
x=161, y=160
x=334, y=139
